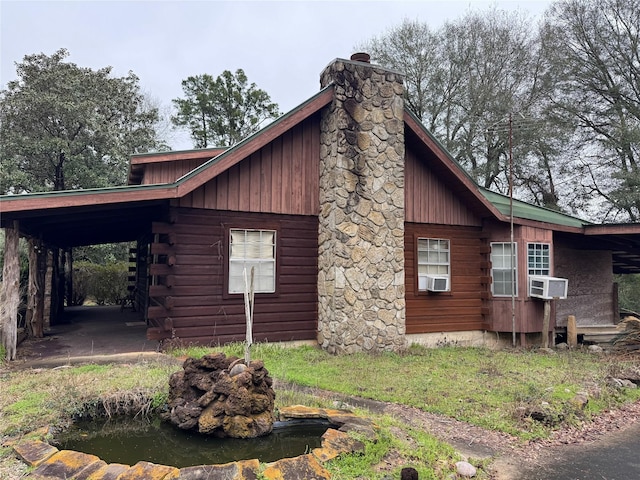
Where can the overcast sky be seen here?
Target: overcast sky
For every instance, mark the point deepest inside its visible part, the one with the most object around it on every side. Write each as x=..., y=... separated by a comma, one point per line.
x=281, y=45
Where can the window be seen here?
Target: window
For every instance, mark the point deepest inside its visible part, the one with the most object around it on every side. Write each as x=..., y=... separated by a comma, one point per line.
x=539, y=258
x=252, y=248
x=433, y=261
x=503, y=269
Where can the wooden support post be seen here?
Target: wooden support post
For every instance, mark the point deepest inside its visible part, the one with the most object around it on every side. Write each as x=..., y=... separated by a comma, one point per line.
x=10, y=294
x=35, y=302
x=545, y=323
x=248, y=309
x=47, y=289
x=572, y=331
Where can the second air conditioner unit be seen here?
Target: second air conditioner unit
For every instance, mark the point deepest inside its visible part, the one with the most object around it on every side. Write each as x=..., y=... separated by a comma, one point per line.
x=437, y=284
x=548, y=288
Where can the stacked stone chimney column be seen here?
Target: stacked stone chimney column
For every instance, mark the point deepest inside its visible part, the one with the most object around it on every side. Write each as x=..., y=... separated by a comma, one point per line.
x=361, y=234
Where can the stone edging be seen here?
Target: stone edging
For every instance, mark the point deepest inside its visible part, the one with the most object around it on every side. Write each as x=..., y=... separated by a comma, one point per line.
x=51, y=463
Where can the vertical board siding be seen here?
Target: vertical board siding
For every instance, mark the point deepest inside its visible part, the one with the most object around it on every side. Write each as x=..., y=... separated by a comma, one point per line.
x=428, y=199
x=464, y=307
x=282, y=177
x=168, y=172
x=200, y=309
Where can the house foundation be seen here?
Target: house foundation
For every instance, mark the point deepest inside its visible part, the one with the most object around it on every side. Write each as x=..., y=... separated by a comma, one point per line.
x=361, y=288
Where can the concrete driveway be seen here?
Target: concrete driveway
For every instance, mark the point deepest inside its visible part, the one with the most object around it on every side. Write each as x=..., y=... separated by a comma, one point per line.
x=612, y=457
x=89, y=333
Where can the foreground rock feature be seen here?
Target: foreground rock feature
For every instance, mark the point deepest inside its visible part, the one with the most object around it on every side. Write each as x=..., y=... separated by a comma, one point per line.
x=221, y=396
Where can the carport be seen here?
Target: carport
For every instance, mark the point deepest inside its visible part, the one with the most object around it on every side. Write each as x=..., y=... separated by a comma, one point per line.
x=57, y=221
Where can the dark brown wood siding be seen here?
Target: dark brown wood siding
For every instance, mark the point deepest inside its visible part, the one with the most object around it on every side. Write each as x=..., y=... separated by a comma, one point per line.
x=428, y=199
x=168, y=172
x=189, y=298
x=281, y=177
x=465, y=306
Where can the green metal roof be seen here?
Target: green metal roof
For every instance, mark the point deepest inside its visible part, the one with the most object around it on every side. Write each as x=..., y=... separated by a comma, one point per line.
x=84, y=191
x=531, y=212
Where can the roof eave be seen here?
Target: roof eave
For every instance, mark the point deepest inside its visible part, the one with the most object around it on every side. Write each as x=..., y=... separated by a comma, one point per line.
x=78, y=198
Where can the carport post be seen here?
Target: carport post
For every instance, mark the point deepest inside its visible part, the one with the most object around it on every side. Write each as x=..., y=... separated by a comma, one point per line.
x=35, y=302
x=10, y=292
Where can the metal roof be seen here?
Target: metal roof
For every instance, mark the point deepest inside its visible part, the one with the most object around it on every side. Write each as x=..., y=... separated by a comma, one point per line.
x=532, y=212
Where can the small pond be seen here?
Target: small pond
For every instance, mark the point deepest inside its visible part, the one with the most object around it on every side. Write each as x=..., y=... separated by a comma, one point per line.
x=126, y=440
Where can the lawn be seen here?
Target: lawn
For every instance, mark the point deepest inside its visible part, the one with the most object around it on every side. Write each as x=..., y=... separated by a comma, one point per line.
x=497, y=390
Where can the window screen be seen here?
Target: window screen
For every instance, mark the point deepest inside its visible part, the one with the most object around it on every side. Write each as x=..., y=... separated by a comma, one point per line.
x=252, y=248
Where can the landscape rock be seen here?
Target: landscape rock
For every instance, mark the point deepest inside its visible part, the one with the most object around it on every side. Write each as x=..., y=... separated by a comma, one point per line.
x=620, y=383
x=465, y=469
x=580, y=400
x=221, y=396
x=297, y=468
x=408, y=473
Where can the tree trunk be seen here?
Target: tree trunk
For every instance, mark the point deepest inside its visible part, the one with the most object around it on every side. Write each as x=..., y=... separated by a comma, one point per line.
x=35, y=305
x=10, y=292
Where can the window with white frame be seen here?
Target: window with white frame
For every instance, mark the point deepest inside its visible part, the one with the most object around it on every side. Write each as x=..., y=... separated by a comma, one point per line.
x=539, y=258
x=433, y=261
x=252, y=248
x=503, y=269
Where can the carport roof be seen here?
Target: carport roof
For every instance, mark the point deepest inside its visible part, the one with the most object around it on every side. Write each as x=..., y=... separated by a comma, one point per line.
x=90, y=224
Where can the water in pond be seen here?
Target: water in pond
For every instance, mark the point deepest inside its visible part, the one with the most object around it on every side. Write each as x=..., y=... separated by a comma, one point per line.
x=130, y=441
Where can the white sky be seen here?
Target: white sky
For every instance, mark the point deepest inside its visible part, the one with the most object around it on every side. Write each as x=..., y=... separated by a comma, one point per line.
x=281, y=45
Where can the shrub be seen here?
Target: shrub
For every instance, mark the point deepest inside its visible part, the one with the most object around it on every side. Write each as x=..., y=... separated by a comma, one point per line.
x=107, y=284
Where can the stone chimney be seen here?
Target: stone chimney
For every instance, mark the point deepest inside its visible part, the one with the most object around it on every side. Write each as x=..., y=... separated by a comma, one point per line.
x=361, y=303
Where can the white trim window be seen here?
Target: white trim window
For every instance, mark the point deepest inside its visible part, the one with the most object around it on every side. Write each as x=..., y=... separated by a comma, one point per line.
x=252, y=248
x=434, y=260
x=503, y=269
x=539, y=258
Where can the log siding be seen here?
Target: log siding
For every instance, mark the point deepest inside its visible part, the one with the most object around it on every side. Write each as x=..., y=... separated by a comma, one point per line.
x=465, y=306
x=189, y=291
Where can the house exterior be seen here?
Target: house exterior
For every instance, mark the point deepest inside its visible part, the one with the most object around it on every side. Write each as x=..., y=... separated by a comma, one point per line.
x=364, y=234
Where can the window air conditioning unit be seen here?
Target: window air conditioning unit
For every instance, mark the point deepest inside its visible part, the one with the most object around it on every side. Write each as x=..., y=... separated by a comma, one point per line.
x=548, y=288
x=437, y=284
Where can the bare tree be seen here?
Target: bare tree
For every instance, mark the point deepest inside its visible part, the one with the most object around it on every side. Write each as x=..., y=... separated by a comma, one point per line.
x=465, y=81
x=593, y=53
